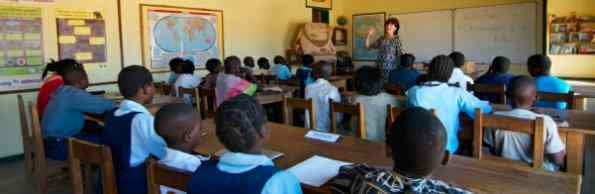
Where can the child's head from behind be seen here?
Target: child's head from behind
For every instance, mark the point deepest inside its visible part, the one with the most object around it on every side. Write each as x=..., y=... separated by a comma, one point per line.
x=232, y=65
x=418, y=143
x=75, y=76
x=368, y=81
x=188, y=67
x=249, y=62
x=458, y=58
x=280, y=60
x=407, y=60
x=179, y=125
x=58, y=67
x=500, y=64
x=241, y=125
x=322, y=70
x=213, y=65
x=176, y=65
x=263, y=63
x=522, y=91
x=307, y=60
x=136, y=83
x=539, y=65
x=440, y=69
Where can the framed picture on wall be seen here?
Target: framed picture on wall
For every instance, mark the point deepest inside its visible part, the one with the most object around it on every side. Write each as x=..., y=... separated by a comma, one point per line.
x=572, y=34
x=322, y=4
x=190, y=33
x=362, y=24
x=340, y=37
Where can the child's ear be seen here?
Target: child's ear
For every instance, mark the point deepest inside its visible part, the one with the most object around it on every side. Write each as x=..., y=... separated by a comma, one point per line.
x=188, y=136
x=446, y=158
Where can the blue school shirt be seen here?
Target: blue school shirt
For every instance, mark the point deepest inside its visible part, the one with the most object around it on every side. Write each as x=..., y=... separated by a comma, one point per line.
x=282, y=72
x=173, y=77
x=493, y=79
x=404, y=77
x=552, y=84
x=448, y=102
x=281, y=182
x=65, y=113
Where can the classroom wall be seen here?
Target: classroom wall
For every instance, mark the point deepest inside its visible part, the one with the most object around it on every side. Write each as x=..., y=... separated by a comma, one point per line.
x=408, y=6
x=256, y=28
x=572, y=65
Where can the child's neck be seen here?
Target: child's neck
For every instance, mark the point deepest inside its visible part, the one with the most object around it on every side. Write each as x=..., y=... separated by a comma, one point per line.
x=137, y=100
x=183, y=148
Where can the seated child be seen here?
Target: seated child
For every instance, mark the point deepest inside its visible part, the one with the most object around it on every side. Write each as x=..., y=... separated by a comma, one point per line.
x=214, y=67
x=64, y=115
x=496, y=75
x=458, y=76
x=187, y=79
x=229, y=84
x=417, y=150
x=447, y=101
x=129, y=131
x=320, y=92
x=539, y=68
x=406, y=75
x=53, y=82
x=176, y=66
x=280, y=69
x=247, y=71
x=519, y=146
x=179, y=125
x=304, y=73
x=264, y=66
x=369, y=86
x=241, y=127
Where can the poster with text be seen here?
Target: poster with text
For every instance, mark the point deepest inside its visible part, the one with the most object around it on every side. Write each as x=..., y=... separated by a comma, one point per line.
x=169, y=32
x=21, y=48
x=81, y=36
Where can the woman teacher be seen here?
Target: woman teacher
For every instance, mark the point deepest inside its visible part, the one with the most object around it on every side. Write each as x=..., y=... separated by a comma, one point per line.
x=389, y=46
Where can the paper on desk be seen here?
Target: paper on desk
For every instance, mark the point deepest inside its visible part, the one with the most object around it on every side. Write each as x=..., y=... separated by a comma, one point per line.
x=273, y=89
x=317, y=170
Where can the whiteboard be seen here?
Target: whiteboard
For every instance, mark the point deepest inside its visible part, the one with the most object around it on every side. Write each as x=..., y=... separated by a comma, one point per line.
x=507, y=30
x=426, y=34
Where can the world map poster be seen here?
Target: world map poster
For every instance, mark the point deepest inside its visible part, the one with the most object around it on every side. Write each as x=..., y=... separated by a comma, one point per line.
x=21, y=47
x=169, y=32
x=361, y=25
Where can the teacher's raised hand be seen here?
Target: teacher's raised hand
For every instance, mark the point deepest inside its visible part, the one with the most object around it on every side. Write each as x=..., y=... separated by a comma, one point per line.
x=371, y=32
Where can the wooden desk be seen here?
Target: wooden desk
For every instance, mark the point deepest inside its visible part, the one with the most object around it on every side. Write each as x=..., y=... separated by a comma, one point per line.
x=270, y=97
x=340, y=81
x=478, y=176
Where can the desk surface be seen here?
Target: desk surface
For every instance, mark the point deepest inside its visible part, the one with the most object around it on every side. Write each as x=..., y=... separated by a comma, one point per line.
x=269, y=97
x=481, y=177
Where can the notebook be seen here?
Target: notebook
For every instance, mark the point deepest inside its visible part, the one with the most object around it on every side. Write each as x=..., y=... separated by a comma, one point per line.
x=271, y=154
x=317, y=170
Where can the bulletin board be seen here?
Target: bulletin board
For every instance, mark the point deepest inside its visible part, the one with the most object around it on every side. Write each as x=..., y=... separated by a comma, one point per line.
x=34, y=33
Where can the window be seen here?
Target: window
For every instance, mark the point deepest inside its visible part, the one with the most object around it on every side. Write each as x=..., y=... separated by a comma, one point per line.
x=320, y=15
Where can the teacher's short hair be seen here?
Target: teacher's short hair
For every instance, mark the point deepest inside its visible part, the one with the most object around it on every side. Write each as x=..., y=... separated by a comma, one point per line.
x=393, y=21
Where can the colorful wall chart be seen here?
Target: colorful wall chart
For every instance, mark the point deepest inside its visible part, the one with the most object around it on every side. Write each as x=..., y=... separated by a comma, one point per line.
x=169, y=32
x=362, y=23
x=81, y=36
x=21, y=47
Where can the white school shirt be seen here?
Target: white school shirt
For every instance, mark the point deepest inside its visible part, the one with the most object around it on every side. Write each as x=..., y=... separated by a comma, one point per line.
x=144, y=141
x=187, y=81
x=320, y=92
x=519, y=146
x=182, y=161
x=375, y=111
x=459, y=77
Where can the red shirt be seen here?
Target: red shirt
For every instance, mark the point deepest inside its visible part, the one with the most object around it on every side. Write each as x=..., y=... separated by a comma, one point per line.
x=47, y=88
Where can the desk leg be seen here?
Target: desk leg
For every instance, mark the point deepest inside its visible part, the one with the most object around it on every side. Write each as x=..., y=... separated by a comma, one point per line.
x=575, y=146
x=580, y=103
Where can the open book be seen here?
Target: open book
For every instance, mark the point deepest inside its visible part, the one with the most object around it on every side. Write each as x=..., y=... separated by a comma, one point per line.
x=317, y=170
